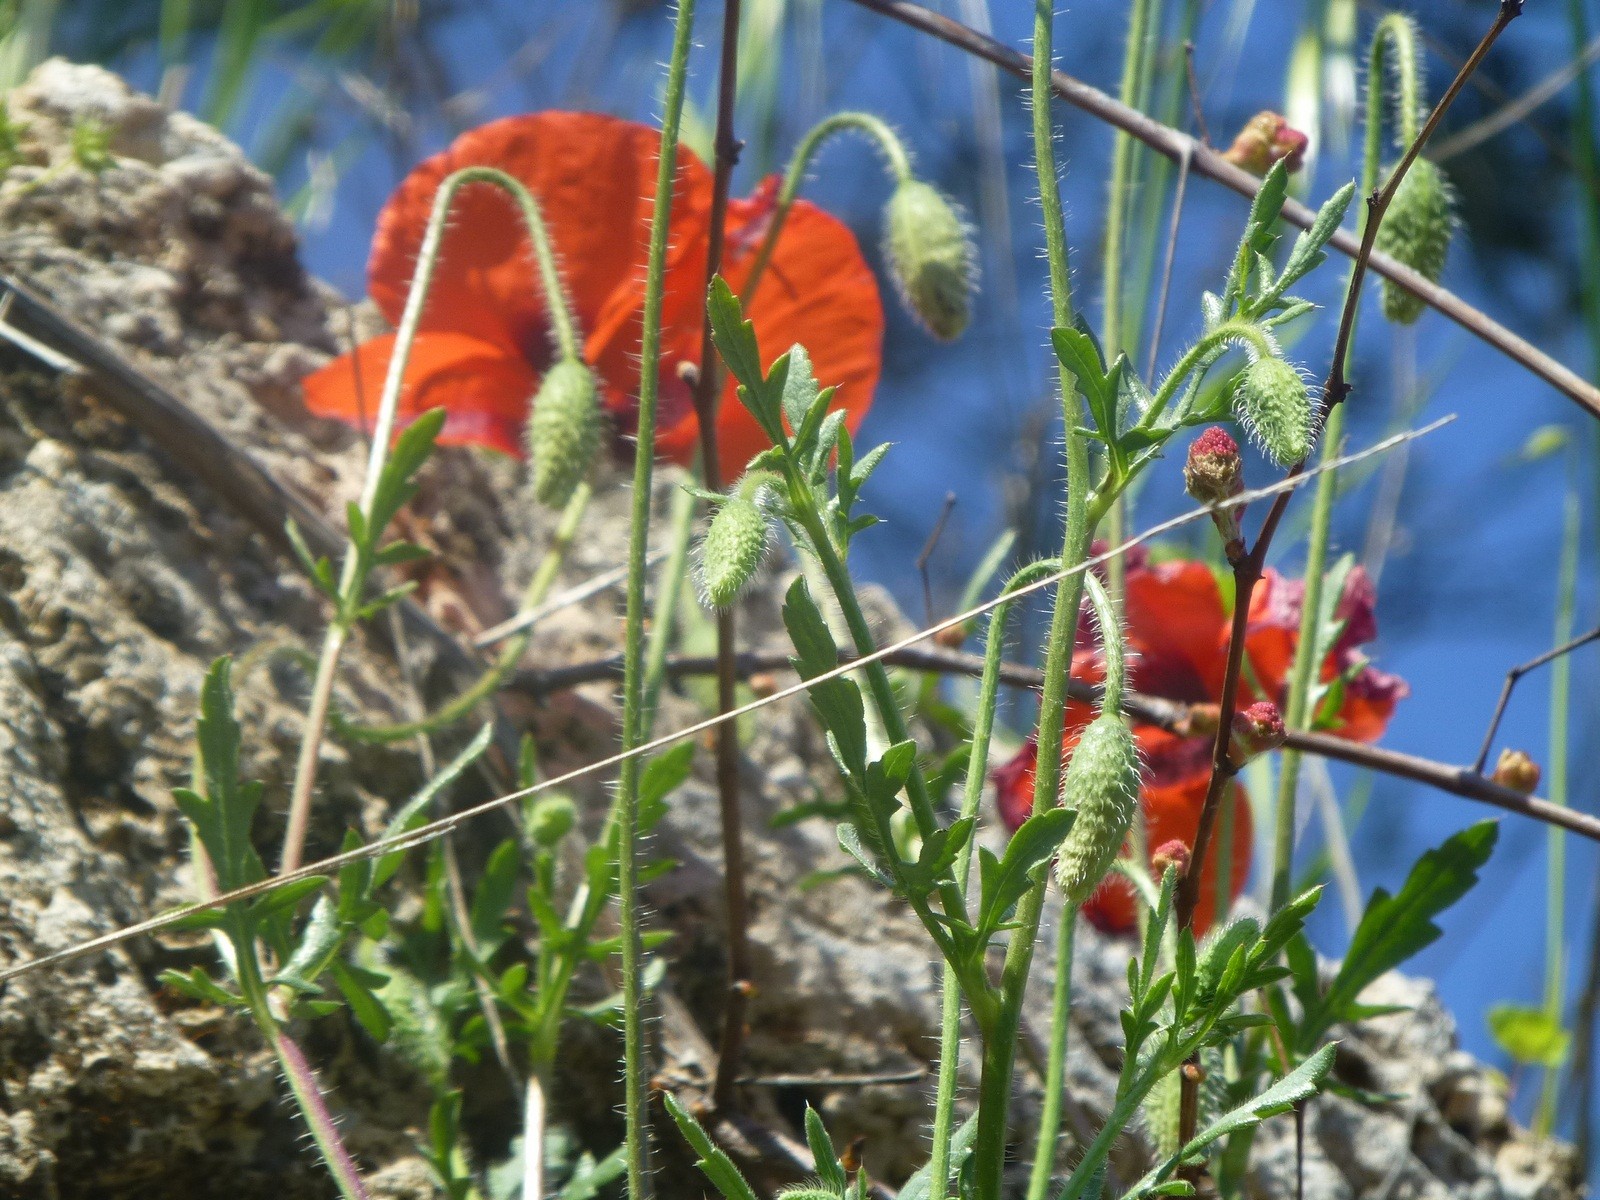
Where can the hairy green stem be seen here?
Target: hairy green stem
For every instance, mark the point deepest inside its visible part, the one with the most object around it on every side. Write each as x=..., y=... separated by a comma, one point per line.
x=352, y=580
x=1232, y=332
x=894, y=153
x=977, y=771
x=1055, y=1076
x=1394, y=46
x=670, y=576
x=633, y=639
x=999, y=1049
x=1135, y=67
x=1555, y=988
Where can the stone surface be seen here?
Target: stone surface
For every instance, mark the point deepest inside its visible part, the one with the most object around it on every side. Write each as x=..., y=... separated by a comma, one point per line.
x=121, y=578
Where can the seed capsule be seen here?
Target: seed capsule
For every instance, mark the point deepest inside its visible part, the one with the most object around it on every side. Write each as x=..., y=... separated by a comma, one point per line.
x=931, y=258
x=1272, y=402
x=1102, y=783
x=733, y=548
x=1416, y=230
x=563, y=431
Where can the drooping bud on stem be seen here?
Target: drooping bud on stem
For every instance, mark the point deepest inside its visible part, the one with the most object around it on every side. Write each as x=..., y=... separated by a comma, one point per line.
x=737, y=540
x=931, y=257
x=1213, y=473
x=1273, y=403
x=1416, y=230
x=563, y=431
x=1102, y=779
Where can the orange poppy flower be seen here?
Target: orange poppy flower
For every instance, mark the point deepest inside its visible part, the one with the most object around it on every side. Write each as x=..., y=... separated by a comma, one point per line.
x=1177, y=639
x=485, y=339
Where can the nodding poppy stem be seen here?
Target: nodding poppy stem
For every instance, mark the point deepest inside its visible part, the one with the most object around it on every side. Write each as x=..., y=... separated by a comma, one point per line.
x=977, y=771
x=894, y=153
x=627, y=805
x=1394, y=43
x=305, y=772
x=1055, y=1073
x=999, y=1050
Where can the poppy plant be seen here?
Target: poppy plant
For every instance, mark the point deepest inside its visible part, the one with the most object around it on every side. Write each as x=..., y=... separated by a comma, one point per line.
x=485, y=341
x=1177, y=640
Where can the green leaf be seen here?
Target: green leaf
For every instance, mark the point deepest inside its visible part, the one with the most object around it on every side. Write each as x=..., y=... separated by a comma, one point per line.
x=1529, y=1035
x=1077, y=352
x=838, y=701
x=320, y=570
x=197, y=985
x=397, y=553
x=800, y=388
x=1307, y=253
x=850, y=843
x=222, y=816
x=829, y=1171
x=663, y=775
x=356, y=986
x=716, y=1165
x=414, y=814
x=1393, y=928
x=735, y=337
x=1004, y=880
x=491, y=899
x=1298, y=1085
x=286, y=897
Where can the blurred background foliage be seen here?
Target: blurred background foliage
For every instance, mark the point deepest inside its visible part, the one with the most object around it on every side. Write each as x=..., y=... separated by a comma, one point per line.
x=339, y=98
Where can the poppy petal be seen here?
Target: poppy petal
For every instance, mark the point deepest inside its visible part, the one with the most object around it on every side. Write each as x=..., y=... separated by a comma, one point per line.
x=817, y=291
x=1174, y=611
x=593, y=176
x=485, y=388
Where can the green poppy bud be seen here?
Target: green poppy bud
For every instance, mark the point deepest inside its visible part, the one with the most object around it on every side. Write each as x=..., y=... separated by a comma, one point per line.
x=563, y=431
x=1416, y=230
x=1272, y=402
x=734, y=546
x=931, y=257
x=551, y=819
x=1102, y=783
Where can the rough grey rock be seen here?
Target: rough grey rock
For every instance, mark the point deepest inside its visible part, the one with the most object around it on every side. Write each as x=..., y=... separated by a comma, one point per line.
x=120, y=579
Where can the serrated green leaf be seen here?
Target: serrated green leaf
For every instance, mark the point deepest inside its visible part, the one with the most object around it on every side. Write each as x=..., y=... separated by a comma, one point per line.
x=1078, y=352
x=1004, y=881
x=838, y=701
x=1393, y=928
x=850, y=843
x=920, y=1185
x=800, y=389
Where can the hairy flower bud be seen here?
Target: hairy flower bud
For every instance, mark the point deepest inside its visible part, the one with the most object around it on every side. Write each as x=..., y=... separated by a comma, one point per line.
x=1272, y=402
x=734, y=546
x=1257, y=729
x=1517, y=771
x=1102, y=783
x=931, y=257
x=1214, y=472
x=1265, y=139
x=551, y=819
x=1172, y=853
x=1416, y=230
x=563, y=431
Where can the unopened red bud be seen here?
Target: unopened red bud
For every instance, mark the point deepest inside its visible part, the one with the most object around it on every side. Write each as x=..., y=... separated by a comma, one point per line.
x=1258, y=729
x=1517, y=771
x=1172, y=854
x=1214, y=471
x=1267, y=139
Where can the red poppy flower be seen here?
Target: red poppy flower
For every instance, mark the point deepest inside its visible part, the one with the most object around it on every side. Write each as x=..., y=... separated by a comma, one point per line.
x=485, y=340
x=1177, y=639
